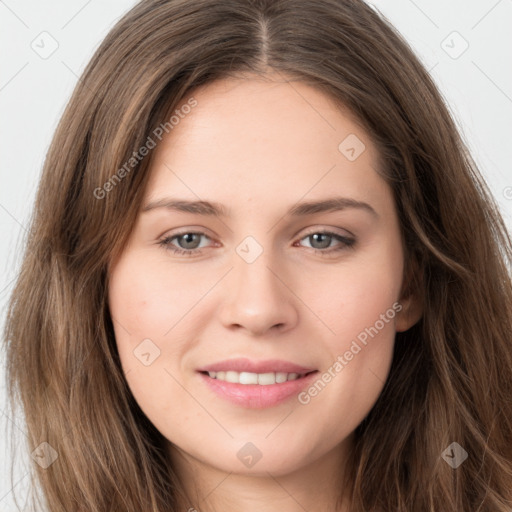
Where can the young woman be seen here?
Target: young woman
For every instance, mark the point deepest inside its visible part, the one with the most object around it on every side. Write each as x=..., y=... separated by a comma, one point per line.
x=263, y=273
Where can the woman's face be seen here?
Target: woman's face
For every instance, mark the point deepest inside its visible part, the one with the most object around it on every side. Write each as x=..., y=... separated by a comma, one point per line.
x=244, y=283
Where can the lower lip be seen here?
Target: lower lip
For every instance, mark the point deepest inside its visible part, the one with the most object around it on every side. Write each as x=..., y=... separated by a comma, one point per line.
x=256, y=396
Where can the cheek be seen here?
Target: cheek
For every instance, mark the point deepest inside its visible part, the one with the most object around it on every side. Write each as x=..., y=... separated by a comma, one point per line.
x=140, y=302
x=359, y=294
x=145, y=305
x=360, y=308
x=148, y=301
x=359, y=305
x=140, y=296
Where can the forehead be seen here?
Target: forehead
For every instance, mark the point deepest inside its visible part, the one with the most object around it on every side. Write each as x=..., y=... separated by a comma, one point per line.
x=269, y=140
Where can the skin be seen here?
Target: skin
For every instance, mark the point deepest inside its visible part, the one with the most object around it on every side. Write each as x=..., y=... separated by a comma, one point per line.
x=259, y=146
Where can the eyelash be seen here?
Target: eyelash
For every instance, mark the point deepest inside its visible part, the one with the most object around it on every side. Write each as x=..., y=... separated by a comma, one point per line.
x=346, y=243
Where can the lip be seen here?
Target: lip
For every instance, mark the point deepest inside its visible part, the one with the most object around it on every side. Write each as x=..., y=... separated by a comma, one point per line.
x=242, y=364
x=256, y=396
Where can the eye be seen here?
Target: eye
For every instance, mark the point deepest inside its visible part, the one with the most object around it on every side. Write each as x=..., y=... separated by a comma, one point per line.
x=189, y=242
x=321, y=242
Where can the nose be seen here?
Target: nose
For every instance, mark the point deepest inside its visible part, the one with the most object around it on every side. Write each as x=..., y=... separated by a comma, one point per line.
x=258, y=299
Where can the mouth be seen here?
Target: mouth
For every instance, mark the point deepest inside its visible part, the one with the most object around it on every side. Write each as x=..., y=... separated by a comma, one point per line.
x=261, y=379
x=251, y=390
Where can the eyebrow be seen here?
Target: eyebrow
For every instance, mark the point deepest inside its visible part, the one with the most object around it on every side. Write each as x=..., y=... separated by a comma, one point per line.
x=298, y=210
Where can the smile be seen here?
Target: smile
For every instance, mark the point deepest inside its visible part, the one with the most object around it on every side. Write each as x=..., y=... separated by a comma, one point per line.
x=256, y=390
x=263, y=379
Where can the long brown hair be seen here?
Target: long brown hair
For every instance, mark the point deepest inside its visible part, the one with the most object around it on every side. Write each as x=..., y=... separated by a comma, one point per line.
x=451, y=377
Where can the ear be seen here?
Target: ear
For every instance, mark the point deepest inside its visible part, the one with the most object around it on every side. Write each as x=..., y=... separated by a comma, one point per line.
x=411, y=297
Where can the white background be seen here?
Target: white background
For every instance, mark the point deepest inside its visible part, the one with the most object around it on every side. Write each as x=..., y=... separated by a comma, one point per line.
x=33, y=92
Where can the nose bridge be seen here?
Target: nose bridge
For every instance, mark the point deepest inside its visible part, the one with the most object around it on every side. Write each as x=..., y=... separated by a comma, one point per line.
x=252, y=271
x=257, y=299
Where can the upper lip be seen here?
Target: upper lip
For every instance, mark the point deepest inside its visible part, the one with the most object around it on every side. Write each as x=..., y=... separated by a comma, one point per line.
x=247, y=365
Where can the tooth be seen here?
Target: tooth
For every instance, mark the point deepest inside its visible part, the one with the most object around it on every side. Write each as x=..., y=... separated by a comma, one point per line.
x=266, y=378
x=263, y=379
x=248, y=378
x=281, y=377
x=231, y=377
